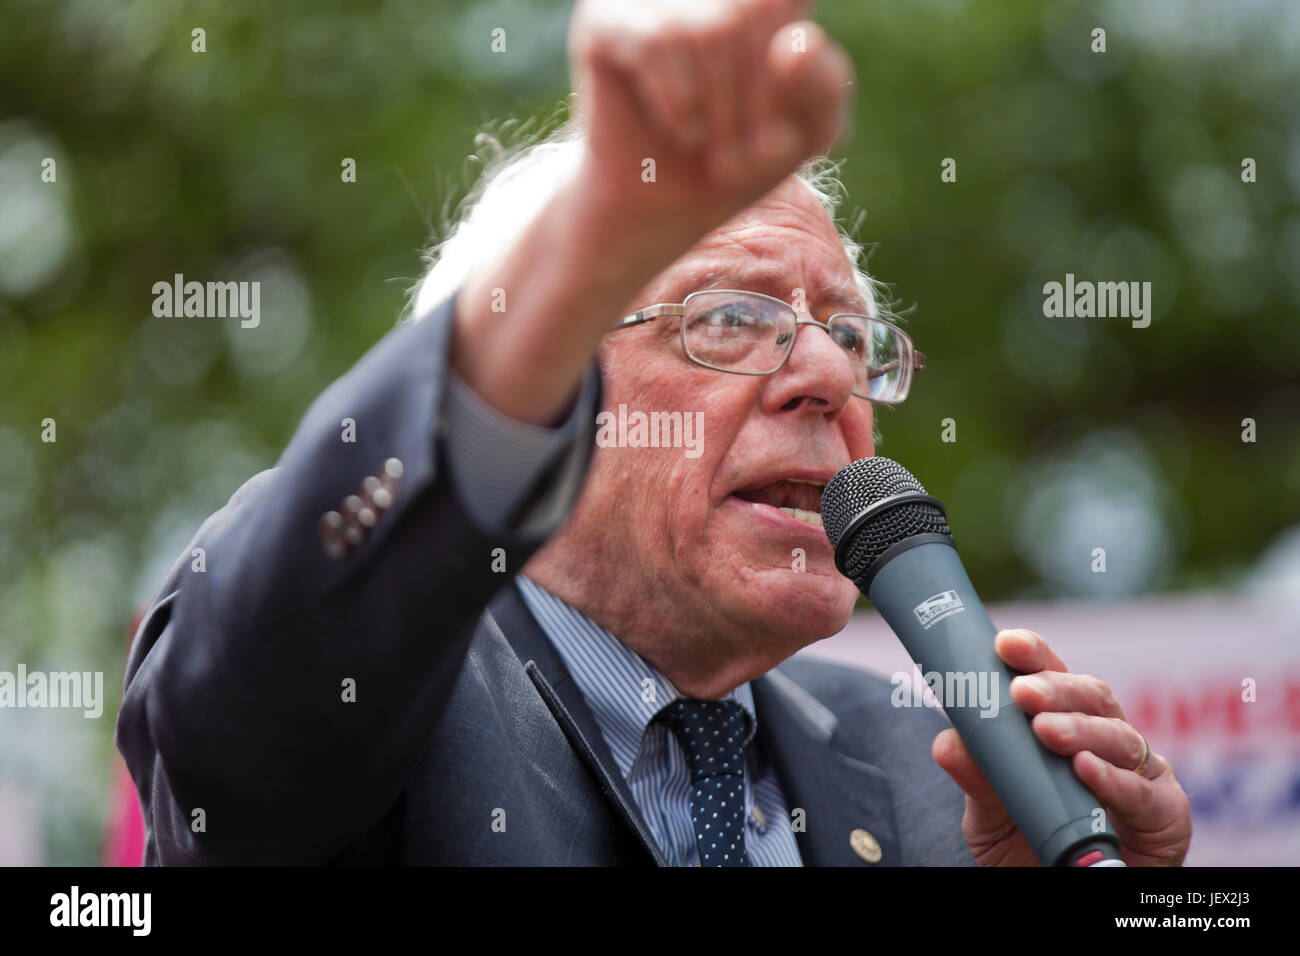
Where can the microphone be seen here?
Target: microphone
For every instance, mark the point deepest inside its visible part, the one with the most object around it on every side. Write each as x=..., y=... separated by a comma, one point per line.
x=892, y=540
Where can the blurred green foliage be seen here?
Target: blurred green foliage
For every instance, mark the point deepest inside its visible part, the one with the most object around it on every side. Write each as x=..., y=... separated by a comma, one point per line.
x=1071, y=433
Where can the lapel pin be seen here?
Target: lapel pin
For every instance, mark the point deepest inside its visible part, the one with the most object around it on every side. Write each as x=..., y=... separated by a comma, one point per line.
x=865, y=845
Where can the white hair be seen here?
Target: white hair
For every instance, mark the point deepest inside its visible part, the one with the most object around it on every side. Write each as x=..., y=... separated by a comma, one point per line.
x=517, y=182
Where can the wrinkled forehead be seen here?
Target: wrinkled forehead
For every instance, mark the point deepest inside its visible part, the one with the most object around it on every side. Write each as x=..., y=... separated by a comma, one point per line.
x=785, y=245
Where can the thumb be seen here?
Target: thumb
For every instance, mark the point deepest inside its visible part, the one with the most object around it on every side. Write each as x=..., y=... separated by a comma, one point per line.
x=952, y=757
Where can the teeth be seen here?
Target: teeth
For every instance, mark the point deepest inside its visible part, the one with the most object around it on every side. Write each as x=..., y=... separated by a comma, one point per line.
x=802, y=481
x=807, y=517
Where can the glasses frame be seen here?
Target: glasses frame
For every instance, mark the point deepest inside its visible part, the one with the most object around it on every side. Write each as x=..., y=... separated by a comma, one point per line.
x=662, y=309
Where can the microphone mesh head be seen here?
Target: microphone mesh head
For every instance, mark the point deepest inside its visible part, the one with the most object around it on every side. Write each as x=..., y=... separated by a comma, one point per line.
x=860, y=485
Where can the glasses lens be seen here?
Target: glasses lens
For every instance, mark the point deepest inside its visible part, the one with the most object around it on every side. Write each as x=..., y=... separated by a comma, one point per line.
x=738, y=332
x=882, y=367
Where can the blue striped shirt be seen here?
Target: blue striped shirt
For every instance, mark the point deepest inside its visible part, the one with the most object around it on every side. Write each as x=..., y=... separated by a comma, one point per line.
x=624, y=692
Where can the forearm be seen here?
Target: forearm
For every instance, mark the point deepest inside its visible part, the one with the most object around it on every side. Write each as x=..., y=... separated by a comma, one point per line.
x=565, y=281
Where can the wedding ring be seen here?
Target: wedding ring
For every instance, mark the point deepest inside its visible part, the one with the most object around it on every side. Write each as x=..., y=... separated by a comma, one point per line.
x=1146, y=755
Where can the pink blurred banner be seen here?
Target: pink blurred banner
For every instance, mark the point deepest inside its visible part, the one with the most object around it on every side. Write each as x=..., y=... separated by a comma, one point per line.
x=124, y=838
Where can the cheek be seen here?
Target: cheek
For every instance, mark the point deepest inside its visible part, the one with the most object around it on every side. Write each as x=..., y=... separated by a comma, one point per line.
x=720, y=405
x=858, y=424
x=656, y=486
x=678, y=483
x=693, y=483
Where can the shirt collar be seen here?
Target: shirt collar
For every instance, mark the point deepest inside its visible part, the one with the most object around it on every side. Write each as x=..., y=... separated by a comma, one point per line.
x=623, y=690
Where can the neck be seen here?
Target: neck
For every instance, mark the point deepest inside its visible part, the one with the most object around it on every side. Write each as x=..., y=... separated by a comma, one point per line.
x=694, y=658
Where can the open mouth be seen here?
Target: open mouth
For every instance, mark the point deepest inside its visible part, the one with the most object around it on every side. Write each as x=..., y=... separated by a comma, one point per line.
x=796, y=497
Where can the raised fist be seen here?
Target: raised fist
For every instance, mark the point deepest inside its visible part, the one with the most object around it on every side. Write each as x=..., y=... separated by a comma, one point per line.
x=696, y=108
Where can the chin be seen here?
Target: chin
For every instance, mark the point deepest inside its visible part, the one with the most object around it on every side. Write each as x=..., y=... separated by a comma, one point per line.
x=805, y=609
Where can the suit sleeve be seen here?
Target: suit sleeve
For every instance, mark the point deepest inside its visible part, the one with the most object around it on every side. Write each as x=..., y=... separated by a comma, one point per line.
x=285, y=680
x=494, y=460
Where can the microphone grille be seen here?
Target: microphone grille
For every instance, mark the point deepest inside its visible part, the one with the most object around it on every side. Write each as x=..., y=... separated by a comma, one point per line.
x=854, y=489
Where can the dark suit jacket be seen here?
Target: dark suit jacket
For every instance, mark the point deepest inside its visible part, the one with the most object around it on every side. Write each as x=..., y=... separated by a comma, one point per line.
x=467, y=741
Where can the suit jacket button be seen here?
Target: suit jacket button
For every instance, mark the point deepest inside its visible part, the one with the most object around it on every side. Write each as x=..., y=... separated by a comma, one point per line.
x=330, y=529
x=389, y=478
x=374, y=494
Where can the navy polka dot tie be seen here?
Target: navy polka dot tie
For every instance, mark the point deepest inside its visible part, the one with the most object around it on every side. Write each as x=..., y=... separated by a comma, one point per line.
x=712, y=733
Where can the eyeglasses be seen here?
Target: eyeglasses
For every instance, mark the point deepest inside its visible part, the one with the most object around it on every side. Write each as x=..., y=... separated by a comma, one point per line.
x=749, y=333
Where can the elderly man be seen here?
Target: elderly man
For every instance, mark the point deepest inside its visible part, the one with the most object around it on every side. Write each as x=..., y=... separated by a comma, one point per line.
x=358, y=672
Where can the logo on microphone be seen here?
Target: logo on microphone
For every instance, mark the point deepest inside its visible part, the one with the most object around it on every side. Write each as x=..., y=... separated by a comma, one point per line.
x=936, y=608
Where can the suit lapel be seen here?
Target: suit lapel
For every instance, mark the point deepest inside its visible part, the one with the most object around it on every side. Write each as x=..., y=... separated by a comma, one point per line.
x=838, y=793
x=557, y=688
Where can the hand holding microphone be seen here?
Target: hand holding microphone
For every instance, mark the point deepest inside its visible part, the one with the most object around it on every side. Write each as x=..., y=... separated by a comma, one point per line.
x=1077, y=784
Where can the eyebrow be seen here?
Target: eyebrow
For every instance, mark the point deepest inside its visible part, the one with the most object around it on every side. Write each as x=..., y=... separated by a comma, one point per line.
x=768, y=280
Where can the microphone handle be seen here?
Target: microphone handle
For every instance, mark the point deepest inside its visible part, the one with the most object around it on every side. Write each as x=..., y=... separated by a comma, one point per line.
x=921, y=582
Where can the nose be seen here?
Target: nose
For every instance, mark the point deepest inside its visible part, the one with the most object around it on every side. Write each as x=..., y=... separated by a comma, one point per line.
x=817, y=374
